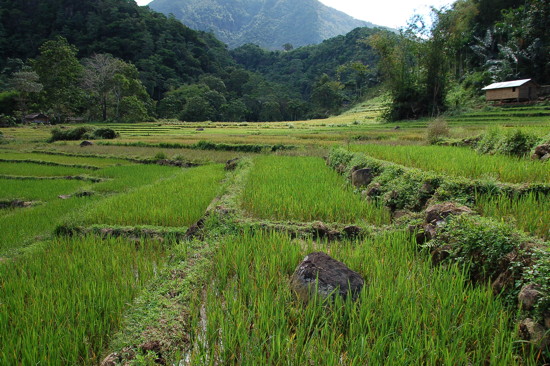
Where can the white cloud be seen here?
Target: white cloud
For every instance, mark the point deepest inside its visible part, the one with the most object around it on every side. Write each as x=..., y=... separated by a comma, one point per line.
x=390, y=13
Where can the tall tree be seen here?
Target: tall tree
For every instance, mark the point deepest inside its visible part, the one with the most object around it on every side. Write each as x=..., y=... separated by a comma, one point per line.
x=327, y=95
x=26, y=84
x=109, y=81
x=59, y=72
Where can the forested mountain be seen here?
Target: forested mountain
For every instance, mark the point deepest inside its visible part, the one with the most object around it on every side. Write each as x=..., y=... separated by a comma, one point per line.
x=267, y=23
x=166, y=52
x=114, y=60
x=347, y=62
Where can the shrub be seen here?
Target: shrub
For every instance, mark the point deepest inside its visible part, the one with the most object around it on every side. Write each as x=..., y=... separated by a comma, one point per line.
x=516, y=143
x=104, y=133
x=489, y=140
x=7, y=120
x=77, y=133
x=437, y=131
x=160, y=156
x=339, y=156
x=82, y=133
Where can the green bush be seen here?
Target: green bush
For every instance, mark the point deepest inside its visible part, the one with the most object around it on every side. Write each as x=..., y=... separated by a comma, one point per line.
x=77, y=133
x=438, y=130
x=339, y=156
x=517, y=143
x=489, y=140
x=82, y=133
x=488, y=248
x=7, y=120
x=160, y=156
x=104, y=133
x=514, y=143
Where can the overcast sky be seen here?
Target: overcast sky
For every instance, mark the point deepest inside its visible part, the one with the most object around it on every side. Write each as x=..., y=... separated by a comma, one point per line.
x=390, y=13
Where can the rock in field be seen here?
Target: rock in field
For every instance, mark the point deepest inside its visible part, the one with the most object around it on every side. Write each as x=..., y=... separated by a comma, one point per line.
x=232, y=164
x=362, y=177
x=528, y=296
x=86, y=143
x=440, y=211
x=541, y=152
x=530, y=330
x=332, y=277
x=374, y=190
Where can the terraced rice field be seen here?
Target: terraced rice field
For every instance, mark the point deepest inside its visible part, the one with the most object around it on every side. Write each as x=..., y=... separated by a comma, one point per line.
x=176, y=201
x=461, y=162
x=38, y=170
x=59, y=306
x=530, y=213
x=407, y=313
x=304, y=189
x=114, y=271
x=60, y=159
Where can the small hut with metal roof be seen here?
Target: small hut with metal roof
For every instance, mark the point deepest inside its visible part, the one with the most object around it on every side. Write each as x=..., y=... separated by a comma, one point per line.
x=515, y=90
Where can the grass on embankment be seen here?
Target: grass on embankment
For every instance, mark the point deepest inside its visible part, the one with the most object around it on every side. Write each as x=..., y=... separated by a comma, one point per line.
x=304, y=189
x=178, y=201
x=60, y=305
x=461, y=162
x=408, y=312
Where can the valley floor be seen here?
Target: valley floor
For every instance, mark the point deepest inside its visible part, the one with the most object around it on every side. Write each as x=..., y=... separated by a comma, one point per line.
x=146, y=250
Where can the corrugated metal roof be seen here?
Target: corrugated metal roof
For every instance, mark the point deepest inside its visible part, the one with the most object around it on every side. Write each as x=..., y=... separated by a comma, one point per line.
x=506, y=84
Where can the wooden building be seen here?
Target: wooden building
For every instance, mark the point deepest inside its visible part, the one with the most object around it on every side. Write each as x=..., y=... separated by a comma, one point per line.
x=516, y=90
x=38, y=118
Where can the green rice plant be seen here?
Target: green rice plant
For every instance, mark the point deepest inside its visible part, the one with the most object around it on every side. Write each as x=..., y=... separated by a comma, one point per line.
x=136, y=152
x=304, y=189
x=59, y=306
x=41, y=162
x=37, y=190
x=38, y=170
x=63, y=159
x=21, y=228
x=461, y=162
x=407, y=313
x=178, y=201
x=128, y=177
x=530, y=213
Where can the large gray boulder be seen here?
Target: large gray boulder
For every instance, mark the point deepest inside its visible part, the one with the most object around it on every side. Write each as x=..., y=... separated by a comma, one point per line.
x=542, y=152
x=439, y=212
x=318, y=271
x=362, y=177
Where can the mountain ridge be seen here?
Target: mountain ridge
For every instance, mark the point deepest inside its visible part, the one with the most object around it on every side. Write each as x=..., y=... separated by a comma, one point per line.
x=267, y=23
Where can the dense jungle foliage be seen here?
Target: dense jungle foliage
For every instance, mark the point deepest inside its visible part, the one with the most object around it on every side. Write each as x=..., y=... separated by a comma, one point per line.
x=113, y=60
x=469, y=45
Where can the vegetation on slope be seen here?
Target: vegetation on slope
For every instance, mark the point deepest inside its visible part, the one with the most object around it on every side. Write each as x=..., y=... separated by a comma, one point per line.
x=267, y=24
x=469, y=45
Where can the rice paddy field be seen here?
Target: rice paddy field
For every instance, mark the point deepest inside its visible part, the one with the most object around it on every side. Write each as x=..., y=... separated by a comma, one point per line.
x=304, y=189
x=96, y=256
x=461, y=162
x=427, y=318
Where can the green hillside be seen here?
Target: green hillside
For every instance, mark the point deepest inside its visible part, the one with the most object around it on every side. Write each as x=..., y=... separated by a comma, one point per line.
x=267, y=23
